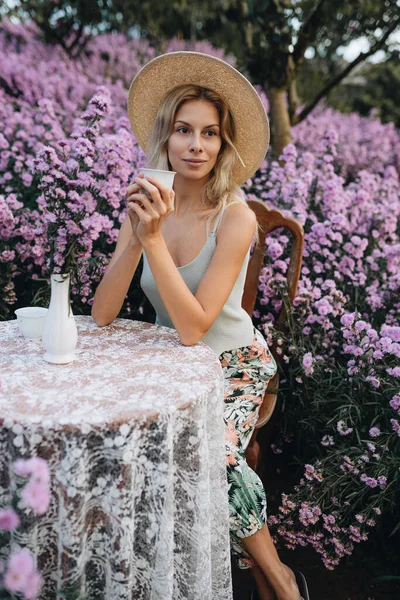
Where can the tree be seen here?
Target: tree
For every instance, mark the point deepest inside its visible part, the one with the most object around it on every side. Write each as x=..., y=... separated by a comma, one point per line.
x=272, y=39
x=68, y=24
x=276, y=35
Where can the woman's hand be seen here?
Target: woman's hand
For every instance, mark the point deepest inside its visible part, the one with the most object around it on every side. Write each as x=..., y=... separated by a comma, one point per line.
x=150, y=209
x=133, y=188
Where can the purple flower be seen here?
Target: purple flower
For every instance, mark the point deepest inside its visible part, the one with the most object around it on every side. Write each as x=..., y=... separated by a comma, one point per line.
x=373, y=381
x=37, y=496
x=394, y=371
x=20, y=569
x=308, y=362
x=323, y=306
x=275, y=250
x=36, y=467
x=374, y=432
x=371, y=482
x=395, y=402
x=395, y=426
x=348, y=319
x=360, y=326
x=309, y=472
x=392, y=332
x=9, y=519
x=33, y=587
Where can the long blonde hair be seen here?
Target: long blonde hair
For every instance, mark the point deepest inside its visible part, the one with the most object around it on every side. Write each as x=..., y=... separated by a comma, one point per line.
x=220, y=190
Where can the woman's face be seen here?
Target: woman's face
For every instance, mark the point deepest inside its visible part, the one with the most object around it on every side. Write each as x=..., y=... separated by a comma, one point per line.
x=195, y=141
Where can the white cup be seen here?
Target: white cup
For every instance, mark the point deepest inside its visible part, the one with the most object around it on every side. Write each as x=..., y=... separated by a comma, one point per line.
x=31, y=321
x=166, y=177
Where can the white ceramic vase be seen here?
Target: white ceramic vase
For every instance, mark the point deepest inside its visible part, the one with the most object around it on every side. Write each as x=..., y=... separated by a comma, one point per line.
x=60, y=335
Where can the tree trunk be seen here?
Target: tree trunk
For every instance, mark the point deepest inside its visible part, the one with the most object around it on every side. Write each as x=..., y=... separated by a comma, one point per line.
x=280, y=122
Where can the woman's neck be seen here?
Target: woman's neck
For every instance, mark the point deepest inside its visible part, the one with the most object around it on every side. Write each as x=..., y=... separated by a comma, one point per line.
x=188, y=195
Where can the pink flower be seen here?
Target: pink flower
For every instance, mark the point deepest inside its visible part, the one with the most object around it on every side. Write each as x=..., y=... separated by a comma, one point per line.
x=36, y=467
x=395, y=402
x=22, y=467
x=9, y=519
x=371, y=482
x=347, y=319
x=39, y=469
x=20, y=568
x=343, y=429
x=36, y=495
x=308, y=363
x=33, y=586
x=382, y=480
x=275, y=250
x=395, y=426
x=394, y=371
x=374, y=432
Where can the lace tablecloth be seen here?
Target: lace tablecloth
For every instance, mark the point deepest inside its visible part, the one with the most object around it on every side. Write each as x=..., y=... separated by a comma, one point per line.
x=133, y=432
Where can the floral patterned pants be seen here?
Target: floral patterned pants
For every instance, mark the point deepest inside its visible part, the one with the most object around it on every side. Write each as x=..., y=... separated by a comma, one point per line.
x=247, y=372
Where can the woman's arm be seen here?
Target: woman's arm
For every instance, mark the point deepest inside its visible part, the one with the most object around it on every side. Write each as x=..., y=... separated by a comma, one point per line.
x=192, y=315
x=117, y=278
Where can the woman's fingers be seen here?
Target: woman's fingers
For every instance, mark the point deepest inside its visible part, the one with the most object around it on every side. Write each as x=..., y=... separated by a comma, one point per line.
x=133, y=188
x=158, y=192
x=139, y=211
x=146, y=203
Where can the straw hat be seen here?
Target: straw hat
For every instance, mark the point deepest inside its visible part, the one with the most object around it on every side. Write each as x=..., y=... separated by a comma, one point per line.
x=168, y=71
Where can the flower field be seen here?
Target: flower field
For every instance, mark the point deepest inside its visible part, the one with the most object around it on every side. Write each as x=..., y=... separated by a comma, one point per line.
x=65, y=137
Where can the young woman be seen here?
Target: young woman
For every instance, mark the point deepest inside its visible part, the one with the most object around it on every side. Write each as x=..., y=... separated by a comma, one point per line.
x=197, y=116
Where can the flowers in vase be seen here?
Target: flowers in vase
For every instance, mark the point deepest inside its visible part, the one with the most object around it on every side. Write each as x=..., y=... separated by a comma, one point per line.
x=71, y=192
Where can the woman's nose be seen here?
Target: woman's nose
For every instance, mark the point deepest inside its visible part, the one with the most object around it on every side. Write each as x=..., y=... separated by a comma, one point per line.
x=195, y=143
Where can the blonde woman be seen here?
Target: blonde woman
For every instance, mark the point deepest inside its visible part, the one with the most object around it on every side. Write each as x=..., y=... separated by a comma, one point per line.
x=196, y=115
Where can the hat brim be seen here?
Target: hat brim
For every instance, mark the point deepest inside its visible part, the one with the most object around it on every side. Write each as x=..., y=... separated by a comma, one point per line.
x=169, y=71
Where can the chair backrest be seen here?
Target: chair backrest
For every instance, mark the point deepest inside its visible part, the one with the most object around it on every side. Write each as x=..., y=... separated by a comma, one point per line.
x=269, y=220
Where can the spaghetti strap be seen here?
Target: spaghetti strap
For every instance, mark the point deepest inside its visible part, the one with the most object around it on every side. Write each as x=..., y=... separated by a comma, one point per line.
x=218, y=221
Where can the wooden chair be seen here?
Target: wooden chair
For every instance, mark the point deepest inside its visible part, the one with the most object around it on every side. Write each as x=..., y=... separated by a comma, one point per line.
x=269, y=220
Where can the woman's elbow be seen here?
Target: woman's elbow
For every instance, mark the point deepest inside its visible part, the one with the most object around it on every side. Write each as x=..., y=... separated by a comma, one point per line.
x=191, y=338
x=100, y=319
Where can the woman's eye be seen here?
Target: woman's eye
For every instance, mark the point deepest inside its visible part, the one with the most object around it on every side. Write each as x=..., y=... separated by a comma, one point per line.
x=211, y=133
x=182, y=130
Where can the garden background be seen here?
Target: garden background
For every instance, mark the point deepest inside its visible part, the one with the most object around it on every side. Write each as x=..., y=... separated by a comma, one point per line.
x=332, y=457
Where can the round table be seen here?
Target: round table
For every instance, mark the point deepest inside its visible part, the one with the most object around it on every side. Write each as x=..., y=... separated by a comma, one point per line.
x=133, y=432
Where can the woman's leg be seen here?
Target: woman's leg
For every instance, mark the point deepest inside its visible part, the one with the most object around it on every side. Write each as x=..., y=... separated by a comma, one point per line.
x=265, y=590
x=262, y=549
x=247, y=372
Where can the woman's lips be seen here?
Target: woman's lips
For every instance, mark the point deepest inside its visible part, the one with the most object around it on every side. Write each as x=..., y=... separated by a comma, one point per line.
x=195, y=163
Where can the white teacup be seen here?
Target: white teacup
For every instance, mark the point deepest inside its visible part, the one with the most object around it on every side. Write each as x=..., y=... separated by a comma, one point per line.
x=31, y=321
x=166, y=177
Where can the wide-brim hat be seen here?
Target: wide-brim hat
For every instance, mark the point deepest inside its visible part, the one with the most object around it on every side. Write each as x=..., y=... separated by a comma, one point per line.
x=169, y=71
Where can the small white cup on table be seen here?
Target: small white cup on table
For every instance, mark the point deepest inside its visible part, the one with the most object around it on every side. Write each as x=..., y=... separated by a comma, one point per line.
x=31, y=321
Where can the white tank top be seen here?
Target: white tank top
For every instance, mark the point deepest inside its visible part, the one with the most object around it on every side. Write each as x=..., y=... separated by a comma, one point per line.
x=233, y=328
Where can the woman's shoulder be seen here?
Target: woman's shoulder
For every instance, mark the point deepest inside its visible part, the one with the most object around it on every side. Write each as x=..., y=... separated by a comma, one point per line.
x=239, y=212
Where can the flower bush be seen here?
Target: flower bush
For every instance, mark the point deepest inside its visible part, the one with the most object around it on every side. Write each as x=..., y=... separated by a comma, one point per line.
x=66, y=145
x=341, y=348
x=18, y=574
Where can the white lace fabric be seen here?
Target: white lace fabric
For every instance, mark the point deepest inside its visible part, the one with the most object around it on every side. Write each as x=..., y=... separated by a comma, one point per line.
x=133, y=432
